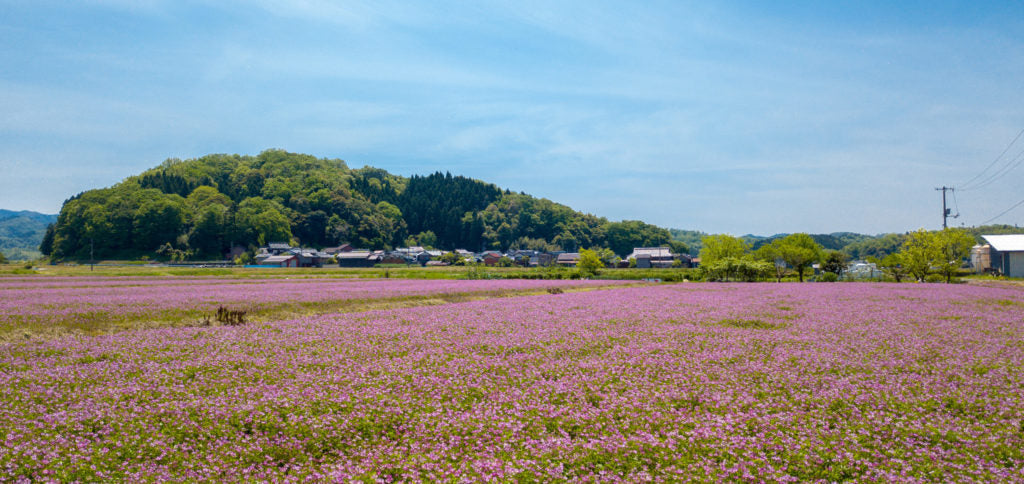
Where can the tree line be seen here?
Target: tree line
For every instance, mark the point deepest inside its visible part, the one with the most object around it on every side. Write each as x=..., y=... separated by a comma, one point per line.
x=918, y=254
x=200, y=208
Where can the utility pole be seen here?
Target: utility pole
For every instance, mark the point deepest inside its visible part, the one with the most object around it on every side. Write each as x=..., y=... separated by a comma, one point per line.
x=946, y=211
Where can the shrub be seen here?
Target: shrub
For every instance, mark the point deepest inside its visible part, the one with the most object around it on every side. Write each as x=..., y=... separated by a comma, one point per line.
x=934, y=278
x=732, y=268
x=828, y=277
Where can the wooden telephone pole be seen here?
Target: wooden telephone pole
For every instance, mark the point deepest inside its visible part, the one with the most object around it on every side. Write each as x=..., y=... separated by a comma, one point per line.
x=946, y=211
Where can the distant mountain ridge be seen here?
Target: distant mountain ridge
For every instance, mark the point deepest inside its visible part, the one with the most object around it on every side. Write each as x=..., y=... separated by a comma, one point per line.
x=21, y=232
x=39, y=217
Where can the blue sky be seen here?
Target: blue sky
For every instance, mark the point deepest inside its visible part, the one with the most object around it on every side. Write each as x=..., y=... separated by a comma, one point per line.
x=734, y=117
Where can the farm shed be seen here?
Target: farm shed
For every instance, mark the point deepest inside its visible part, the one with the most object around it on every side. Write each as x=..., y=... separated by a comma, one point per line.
x=286, y=260
x=1007, y=253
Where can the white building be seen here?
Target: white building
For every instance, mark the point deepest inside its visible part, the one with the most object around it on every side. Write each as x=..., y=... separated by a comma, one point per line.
x=862, y=270
x=1007, y=253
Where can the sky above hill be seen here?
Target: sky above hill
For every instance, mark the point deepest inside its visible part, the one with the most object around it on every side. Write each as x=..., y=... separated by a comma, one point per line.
x=734, y=117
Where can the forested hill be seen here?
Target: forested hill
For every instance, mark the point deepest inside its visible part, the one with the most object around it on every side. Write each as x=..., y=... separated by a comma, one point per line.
x=202, y=207
x=21, y=232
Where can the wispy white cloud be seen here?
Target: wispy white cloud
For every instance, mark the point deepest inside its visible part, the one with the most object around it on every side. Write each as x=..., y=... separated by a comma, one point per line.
x=683, y=114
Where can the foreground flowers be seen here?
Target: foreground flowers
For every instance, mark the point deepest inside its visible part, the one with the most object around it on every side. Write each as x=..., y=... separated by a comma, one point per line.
x=747, y=382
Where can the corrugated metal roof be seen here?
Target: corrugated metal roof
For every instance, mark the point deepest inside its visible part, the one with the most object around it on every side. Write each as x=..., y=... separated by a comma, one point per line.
x=355, y=254
x=1006, y=243
x=662, y=252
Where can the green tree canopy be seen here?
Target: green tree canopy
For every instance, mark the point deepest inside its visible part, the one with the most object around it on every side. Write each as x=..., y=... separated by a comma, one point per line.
x=799, y=250
x=952, y=247
x=159, y=220
x=589, y=263
x=721, y=246
x=769, y=253
x=919, y=253
x=260, y=221
x=833, y=261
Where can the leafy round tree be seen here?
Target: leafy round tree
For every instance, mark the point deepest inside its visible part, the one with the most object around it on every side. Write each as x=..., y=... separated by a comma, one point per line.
x=918, y=253
x=721, y=246
x=952, y=247
x=799, y=251
x=589, y=263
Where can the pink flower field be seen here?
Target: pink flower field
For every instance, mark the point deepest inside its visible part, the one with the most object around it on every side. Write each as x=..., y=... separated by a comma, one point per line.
x=40, y=301
x=705, y=382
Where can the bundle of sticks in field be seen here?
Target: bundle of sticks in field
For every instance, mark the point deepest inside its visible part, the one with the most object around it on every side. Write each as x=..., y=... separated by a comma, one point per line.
x=229, y=317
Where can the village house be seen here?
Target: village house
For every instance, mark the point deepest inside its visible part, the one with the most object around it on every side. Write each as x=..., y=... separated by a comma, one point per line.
x=397, y=257
x=356, y=258
x=339, y=249
x=276, y=248
x=542, y=259
x=423, y=257
x=310, y=257
x=304, y=257
x=491, y=257
x=284, y=260
x=654, y=257
x=568, y=259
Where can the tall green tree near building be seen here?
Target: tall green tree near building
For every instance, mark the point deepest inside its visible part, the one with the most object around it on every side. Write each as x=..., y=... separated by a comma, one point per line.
x=919, y=253
x=800, y=251
x=952, y=246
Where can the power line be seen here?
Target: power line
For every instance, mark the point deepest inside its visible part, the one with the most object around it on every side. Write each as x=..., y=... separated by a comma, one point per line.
x=1010, y=165
x=990, y=165
x=1004, y=212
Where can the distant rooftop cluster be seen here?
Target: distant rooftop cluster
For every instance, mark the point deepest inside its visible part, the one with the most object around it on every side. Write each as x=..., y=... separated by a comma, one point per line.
x=279, y=254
